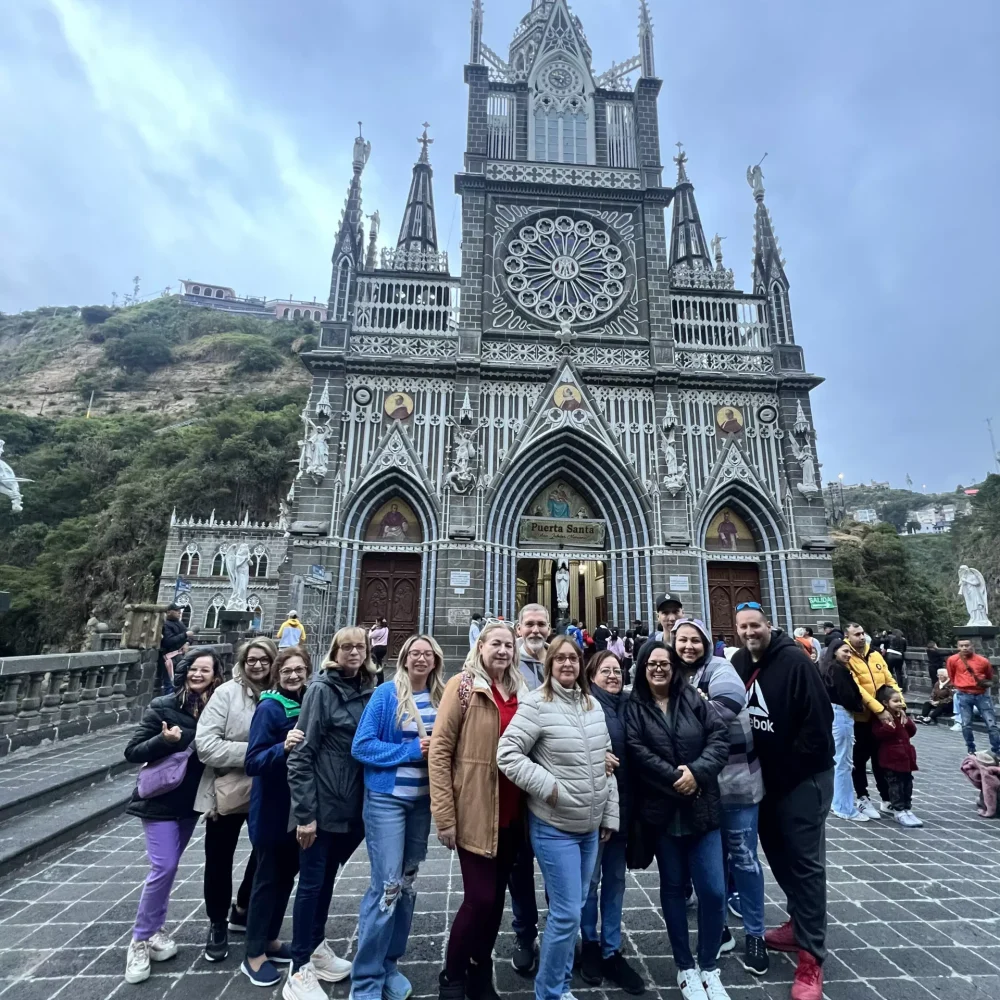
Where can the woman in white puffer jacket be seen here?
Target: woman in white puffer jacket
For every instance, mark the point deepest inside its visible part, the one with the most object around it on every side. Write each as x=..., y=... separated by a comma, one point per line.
x=556, y=750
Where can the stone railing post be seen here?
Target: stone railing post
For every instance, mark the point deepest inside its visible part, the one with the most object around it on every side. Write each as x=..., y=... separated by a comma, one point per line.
x=8, y=703
x=31, y=704
x=50, y=712
x=71, y=696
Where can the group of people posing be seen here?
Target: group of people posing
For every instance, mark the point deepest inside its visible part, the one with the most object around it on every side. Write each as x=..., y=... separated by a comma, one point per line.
x=527, y=753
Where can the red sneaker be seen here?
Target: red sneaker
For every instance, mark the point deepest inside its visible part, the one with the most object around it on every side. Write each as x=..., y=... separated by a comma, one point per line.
x=808, y=982
x=781, y=938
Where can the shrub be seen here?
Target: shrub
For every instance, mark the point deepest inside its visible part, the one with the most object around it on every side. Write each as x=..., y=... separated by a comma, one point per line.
x=259, y=357
x=95, y=315
x=140, y=352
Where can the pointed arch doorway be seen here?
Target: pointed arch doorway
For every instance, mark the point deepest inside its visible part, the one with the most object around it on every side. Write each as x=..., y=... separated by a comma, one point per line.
x=732, y=578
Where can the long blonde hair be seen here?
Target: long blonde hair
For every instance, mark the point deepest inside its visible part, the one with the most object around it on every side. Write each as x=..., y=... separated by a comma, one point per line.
x=511, y=680
x=368, y=668
x=406, y=708
x=582, y=681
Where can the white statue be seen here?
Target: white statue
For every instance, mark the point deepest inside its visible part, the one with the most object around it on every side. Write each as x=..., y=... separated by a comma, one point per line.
x=716, y=245
x=238, y=568
x=562, y=584
x=8, y=485
x=755, y=178
x=972, y=590
x=462, y=476
x=807, y=463
x=676, y=471
x=362, y=150
x=314, y=460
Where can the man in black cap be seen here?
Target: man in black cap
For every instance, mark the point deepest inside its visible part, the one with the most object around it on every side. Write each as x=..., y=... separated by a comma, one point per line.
x=668, y=610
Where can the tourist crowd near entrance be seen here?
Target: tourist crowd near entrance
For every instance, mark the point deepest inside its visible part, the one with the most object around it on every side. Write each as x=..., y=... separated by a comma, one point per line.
x=592, y=396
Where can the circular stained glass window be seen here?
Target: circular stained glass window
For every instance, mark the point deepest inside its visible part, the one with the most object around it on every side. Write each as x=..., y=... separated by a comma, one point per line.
x=561, y=269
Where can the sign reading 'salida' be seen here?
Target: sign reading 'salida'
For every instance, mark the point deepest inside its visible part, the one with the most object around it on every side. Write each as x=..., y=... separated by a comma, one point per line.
x=579, y=531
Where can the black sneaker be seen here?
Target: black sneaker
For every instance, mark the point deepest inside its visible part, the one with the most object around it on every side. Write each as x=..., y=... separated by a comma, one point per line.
x=479, y=982
x=755, y=958
x=217, y=944
x=728, y=942
x=237, y=921
x=620, y=972
x=591, y=963
x=525, y=957
x=447, y=990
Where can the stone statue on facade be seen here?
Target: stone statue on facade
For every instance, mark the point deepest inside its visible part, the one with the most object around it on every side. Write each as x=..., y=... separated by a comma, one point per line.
x=314, y=459
x=9, y=485
x=807, y=464
x=755, y=178
x=238, y=568
x=676, y=471
x=972, y=590
x=562, y=585
x=462, y=476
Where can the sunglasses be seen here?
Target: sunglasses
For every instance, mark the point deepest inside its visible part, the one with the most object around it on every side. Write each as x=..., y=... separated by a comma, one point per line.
x=752, y=605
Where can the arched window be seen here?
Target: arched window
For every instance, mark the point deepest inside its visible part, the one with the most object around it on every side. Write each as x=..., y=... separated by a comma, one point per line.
x=218, y=293
x=212, y=615
x=343, y=288
x=562, y=112
x=219, y=565
x=189, y=562
x=285, y=314
x=258, y=564
x=196, y=289
x=253, y=605
x=778, y=304
x=185, y=605
x=296, y=314
x=316, y=315
x=208, y=292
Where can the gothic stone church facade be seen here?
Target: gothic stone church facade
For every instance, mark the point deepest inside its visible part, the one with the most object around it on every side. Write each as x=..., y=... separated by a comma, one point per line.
x=592, y=394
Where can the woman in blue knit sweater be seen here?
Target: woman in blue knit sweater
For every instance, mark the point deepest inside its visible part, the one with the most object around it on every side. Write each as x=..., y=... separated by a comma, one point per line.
x=392, y=741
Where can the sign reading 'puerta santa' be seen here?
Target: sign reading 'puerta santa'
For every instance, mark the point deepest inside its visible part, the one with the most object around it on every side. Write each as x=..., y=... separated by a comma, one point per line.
x=580, y=532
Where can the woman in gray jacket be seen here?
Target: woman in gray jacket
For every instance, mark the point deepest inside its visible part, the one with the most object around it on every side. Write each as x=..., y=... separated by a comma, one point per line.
x=224, y=793
x=555, y=749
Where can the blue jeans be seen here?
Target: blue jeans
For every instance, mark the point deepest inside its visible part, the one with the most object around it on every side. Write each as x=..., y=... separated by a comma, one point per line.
x=397, y=843
x=317, y=873
x=984, y=702
x=843, y=742
x=567, y=861
x=609, y=874
x=698, y=858
x=739, y=830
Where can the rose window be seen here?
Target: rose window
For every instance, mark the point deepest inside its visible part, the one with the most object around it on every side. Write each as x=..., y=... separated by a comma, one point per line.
x=565, y=271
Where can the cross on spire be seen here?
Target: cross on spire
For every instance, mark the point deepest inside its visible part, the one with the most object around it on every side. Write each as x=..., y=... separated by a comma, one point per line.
x=424, y=143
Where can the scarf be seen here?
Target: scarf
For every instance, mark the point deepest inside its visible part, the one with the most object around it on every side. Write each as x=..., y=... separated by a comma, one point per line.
x=291, y=706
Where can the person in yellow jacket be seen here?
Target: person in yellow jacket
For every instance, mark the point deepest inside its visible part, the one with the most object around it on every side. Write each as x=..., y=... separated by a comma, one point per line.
x=870, y=672
x=291, y=632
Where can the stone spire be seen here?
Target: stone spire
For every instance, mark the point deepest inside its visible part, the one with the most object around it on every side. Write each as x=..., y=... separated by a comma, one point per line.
x=646, y=40
x=688, y=247
x=418, y=233
x=769, y=276
x=349, y=248
x=476, y=55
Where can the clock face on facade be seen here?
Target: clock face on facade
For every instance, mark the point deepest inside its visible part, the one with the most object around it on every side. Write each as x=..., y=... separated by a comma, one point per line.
x=562, y=270
x=559, y=78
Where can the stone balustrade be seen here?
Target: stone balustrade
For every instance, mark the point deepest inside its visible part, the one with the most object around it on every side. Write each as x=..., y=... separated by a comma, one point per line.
x=61, y=695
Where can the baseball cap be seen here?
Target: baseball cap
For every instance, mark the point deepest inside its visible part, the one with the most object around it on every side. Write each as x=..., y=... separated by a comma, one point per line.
x=668, y=602
x=173, y=607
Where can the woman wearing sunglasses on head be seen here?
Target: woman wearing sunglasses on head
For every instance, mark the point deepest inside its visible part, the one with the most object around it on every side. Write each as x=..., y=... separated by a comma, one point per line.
x=677, y=746
x=392, y=741
x=327, y=791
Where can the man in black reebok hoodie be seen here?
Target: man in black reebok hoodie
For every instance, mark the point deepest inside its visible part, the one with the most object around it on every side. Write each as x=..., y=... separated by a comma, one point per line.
x=792, y=721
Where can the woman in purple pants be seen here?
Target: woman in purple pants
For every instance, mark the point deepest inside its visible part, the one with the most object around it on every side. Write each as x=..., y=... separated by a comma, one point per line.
x=167, y=727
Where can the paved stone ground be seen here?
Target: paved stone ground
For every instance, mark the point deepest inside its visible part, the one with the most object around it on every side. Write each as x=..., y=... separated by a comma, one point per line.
x=913, y=914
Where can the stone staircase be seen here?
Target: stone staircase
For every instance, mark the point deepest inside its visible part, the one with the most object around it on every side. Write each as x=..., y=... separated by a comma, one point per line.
x=53, y=793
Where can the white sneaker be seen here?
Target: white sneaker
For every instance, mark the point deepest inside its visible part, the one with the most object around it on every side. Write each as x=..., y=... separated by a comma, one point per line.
x=956, y=727
x=901, y=817
x=303, y=985
x=712, y=982
x=567, y=996
x=327, y=966
x=866, y=808
x=855, y=817
x=886, y=807
x=162, y=946
x=911, y=820
x=689, y=980
x=137, y=962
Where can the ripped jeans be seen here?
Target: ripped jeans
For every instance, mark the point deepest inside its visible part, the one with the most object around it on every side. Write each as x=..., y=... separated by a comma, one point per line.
x=739, y=845
x=397, y=833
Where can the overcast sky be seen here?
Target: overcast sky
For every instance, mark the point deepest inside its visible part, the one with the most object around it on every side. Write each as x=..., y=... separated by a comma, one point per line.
x=212, y=140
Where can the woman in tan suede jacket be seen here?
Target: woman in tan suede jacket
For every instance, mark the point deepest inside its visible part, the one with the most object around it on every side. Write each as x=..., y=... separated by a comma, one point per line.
x=476, y=809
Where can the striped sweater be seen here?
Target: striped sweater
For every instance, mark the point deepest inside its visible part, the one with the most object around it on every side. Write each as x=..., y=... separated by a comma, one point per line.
x=741, y=782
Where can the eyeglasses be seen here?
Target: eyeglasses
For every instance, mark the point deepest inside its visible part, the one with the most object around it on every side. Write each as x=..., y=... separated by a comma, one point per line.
x=609, y=672
x=658, y=668
x=421, y=654
x=356, y=648
x=752, y=605
x=566, y=658
x=256, y=661
x=292, y=672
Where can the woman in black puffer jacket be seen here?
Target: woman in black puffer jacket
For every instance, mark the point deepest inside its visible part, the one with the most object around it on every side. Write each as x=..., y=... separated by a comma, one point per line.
x=168, y=727
x=676, y=748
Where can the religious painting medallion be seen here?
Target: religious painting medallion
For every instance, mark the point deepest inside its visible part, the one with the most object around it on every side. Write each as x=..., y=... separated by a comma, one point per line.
x=728, y=532
x=394, y=521
x=399, y=406
x=568, y=398
x=729, y=421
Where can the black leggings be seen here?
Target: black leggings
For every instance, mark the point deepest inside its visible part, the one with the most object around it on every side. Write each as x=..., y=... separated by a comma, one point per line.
x=865, y=749
x=277, y=866
x=222, y=834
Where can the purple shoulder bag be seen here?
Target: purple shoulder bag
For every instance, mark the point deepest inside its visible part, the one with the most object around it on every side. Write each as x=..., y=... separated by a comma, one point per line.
x=163, y=776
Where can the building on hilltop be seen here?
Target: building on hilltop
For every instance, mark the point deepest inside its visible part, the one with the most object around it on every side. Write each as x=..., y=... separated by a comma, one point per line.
x=591, y=415
x=225, y=299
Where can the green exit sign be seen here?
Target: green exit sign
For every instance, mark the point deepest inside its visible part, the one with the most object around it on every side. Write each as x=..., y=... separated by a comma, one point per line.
x=821, y=603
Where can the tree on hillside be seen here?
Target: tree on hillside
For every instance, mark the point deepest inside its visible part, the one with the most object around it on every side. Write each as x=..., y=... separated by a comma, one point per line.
x=976, y=538
x=881, y=586
x=140, y=352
